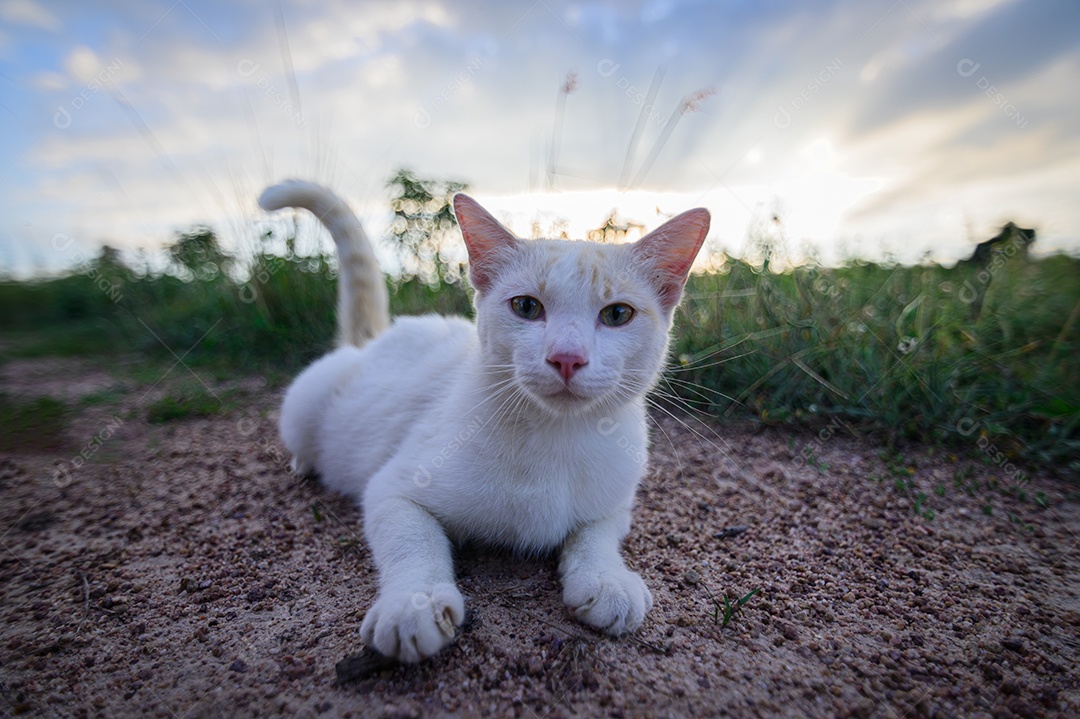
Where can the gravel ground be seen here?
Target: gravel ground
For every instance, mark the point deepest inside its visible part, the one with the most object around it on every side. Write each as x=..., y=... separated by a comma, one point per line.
x=182, y=572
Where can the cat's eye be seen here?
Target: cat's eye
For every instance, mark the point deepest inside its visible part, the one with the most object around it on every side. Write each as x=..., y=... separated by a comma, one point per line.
x=527, y=308
x=616, y=315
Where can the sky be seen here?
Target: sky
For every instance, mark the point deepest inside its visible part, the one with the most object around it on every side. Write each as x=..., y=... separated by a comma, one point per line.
x=896, y=129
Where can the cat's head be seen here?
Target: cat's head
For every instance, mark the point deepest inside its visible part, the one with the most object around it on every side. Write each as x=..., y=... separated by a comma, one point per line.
x=578, y=326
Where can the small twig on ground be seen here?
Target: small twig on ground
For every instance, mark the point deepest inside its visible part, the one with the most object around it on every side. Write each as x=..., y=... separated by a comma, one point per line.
x=86, y=603
x=730, y=532
x=361, y=666
x=648, y=645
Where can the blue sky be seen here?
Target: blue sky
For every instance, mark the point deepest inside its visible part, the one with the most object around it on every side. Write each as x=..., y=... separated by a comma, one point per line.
x=905, y=127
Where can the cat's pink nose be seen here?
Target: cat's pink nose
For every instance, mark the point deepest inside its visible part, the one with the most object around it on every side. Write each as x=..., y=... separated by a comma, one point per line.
x=567, y=364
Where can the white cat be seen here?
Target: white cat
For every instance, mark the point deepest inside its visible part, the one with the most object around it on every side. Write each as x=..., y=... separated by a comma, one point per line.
x=526, y=429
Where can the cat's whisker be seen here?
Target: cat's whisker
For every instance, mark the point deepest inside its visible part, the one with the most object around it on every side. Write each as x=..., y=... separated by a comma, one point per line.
x=669, y=390
x=486, y=396
x=742, y=474
x=611, y=402
x=697, y=434
x=689, y=405
x=699, y=390
x=681, y=404
x=670, y=441
x=486, y=417
x=623, y=395
x=492, y=384
x=502, y=414
x=693, y=365
x=517, y=402
x=506, y=387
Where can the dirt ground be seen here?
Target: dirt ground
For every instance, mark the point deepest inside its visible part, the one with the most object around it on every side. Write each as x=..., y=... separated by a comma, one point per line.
x=181, y=571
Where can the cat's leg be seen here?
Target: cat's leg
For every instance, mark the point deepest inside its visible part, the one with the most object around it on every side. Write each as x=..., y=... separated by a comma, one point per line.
x=598, y=589
x=418, y=608
x=304, y=408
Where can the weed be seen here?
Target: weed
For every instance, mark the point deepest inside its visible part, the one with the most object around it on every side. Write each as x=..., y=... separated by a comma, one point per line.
x=187, y=402
x=1016, y=519
x=962, y=475
x=727, y=611
x=904, y=485
x=102, y=397
x=817, y=463
x=920, y=500
x=32, y=424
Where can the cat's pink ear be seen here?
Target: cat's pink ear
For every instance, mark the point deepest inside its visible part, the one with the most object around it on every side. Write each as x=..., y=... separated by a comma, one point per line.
x=669, y=251
x=486, y=239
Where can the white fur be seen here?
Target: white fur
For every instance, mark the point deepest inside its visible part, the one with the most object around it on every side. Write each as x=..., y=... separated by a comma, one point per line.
x=448, y=431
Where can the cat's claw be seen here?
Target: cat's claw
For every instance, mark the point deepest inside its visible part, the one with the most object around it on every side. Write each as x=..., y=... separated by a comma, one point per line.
x=614, y=601
x=302, y=469
x=413, y=625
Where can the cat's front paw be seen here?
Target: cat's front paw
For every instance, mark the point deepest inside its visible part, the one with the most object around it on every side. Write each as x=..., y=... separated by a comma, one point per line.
x=614, y=600
x=413, y=625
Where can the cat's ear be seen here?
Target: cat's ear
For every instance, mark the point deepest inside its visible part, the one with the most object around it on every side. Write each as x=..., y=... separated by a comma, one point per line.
x=486, y=239
x=669, y=251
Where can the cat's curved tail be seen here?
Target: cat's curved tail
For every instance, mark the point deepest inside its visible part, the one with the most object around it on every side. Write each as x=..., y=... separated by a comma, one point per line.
x=363, y=302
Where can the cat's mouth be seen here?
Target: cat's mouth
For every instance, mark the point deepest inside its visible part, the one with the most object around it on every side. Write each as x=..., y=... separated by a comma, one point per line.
x=566, y=399
x=559, y=397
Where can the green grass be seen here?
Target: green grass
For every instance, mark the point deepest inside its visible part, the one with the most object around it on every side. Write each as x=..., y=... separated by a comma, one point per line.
x=105, y=397
x=274, y=324
x=723, y=612
x=37, y=423
x=189, y=401
x=895, y=351
x=926, y=497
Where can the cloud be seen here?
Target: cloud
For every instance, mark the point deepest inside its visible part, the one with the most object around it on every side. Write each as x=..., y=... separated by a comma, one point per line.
x=82, y=64
x=49, y=81
x=183, y=115
x=28, y=13
x=919, y=66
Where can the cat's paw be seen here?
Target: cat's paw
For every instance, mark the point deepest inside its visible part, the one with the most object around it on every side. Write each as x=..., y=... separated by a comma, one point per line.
x=410, y=626
x=614, y=600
